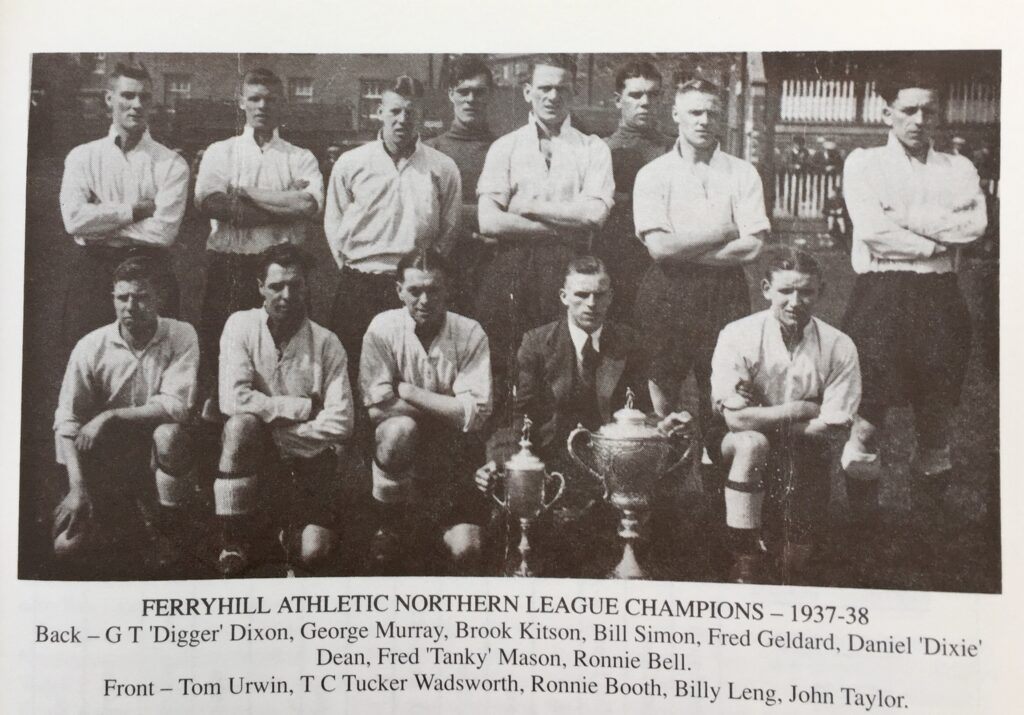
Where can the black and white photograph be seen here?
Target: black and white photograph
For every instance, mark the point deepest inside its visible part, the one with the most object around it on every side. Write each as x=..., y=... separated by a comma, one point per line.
x=719, y=317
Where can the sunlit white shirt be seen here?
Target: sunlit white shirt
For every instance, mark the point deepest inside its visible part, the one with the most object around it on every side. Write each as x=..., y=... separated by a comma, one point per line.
x=822, y=368
x=101, y=184
x=457, y=363
x=894, y=198
x=277, y=166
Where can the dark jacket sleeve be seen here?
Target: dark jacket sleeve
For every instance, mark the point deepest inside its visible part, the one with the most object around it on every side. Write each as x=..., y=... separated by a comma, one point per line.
x=533, y=396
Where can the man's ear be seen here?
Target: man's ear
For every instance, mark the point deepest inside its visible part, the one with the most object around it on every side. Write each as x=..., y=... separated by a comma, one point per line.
x=887, y=115
x=766, y=286
x=526, y=92
x=108, y=98
x=563, y=296
x=618, y=99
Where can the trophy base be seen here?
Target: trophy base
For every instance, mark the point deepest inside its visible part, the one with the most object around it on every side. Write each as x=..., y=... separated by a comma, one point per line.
x=629, y=567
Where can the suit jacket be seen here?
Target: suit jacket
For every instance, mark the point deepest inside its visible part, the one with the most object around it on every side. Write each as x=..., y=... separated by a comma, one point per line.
x=546, y=370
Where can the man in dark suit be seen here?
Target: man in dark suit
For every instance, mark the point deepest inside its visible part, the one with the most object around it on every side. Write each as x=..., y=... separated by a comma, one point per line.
x=576, y=371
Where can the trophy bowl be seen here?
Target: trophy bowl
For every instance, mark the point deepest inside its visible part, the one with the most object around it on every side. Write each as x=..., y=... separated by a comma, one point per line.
x=628, y=456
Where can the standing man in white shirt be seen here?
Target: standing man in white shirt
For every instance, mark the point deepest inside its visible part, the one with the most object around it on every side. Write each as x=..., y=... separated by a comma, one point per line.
x=284, y=388
x=127, y=393
x=425, y=377
x=121, y=196
x=258, y=191
x=787, y=385
x=701, y=214
x=545, y=189
x=911, y=207
x=384, y=199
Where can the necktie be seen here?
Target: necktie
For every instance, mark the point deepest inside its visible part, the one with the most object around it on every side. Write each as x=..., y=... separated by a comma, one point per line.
x=589, y=363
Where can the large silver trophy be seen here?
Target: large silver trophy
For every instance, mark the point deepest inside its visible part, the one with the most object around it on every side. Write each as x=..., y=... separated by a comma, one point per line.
x=526, y=484
x=628, y=456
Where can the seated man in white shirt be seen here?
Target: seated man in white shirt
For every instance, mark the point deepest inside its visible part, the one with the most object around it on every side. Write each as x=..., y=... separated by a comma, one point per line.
x=284, y=388
x=787, y=385
x=425, y=377
x=128, y=390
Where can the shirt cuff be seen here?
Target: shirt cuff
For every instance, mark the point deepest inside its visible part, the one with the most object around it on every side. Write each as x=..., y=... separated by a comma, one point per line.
x=377, y=394
x=836, y=418
x=124, y=213
x=174, y=407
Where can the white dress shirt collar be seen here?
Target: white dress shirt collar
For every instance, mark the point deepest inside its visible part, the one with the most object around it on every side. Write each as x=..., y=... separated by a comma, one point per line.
x=896, y=146
x=249, y=133
x=543, y=131
x=112, y=135
x=579, y=338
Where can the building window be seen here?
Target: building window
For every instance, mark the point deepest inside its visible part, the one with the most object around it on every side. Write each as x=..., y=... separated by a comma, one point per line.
x=370, y=93
x=301, y=90
x=176, y=87
x=99, y=63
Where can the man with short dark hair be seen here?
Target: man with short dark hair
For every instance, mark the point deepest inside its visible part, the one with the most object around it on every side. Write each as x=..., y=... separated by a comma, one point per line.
x=384, y=199
x=425, y=377
x=127, y=392
x=258, y=191
x=121, y=196
x=636, y=142
x=700, y=212
x=545, y=189
x=786, y=387
x=285, y=391
x=910, y=206
x=467, y=140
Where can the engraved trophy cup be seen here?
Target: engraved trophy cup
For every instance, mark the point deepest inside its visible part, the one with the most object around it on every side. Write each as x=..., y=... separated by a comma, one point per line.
x=628, y=456
x=526, y=485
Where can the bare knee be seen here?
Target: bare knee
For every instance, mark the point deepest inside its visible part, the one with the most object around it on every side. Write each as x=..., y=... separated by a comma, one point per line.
x=464, y=543
x=864, y=435
x=316, y=545
x=751, y=444
x=173, y=448
x=241, y=432
x=396, y=442
x=747, y=453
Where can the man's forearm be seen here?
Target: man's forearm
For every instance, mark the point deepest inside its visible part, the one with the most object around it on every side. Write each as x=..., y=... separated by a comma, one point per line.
x=444, y=407
x=292, y=203
x=736, y=252
x=580, y=214
x=498, y=223
x=771, y=417
x=395, y=407
x=235, y=211
x=73, y=462
x=149, y=413
x=688, y=244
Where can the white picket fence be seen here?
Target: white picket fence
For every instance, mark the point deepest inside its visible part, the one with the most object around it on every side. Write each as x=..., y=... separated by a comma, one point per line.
x=825, y=100
x=802, y=195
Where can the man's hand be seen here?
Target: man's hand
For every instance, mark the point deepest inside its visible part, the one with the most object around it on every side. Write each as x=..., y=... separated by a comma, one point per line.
x=143, y=209
x=72, y=514
x=520, y=204
x=91, y=431
x=675, y=423
x=298, y=185
x=486, y=477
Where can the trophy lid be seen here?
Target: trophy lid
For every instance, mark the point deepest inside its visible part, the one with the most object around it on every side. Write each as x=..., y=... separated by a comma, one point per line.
x=525, y=459
x=629, y=422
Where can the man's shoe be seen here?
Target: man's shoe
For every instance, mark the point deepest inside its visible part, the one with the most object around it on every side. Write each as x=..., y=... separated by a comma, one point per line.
x=233, y=561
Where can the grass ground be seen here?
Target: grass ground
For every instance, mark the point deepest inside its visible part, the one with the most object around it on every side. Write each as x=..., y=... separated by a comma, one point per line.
x=904, y=554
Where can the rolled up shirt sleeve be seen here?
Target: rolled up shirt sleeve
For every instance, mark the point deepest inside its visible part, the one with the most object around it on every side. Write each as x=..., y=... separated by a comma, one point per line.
x=161, y=229
x=378, y=371
x=728, y=369
x=495, y=179
x=451, y=207
x=841, y=396
x=748, y=203
x=884, y=237
x=82, y=211
x=177, y=393
x=472, y=386
x=213, y=176
x=308, y=170
x=599, y=180
x=968, y=218
x=333, y=424
x=78, y=399
x=237, y=375
x=650, y=202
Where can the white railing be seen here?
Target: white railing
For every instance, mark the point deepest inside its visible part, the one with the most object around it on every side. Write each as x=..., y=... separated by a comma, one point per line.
x=973, y=103
x=801, y=194
x=835, y=101
x=820, y=100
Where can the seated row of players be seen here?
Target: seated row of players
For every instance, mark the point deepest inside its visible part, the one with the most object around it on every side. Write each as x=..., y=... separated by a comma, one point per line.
x=785, y=384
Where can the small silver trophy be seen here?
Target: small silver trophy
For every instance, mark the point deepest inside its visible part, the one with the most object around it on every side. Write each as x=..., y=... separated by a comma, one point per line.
x=526, y=484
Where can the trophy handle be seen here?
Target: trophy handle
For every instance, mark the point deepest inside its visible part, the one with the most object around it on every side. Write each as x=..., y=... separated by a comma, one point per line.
x=581, y=430
x=561, y=488
x=683, y=459
x=494, y=496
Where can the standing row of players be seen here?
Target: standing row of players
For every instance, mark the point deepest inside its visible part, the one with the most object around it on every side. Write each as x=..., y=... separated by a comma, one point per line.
x=543, y=194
